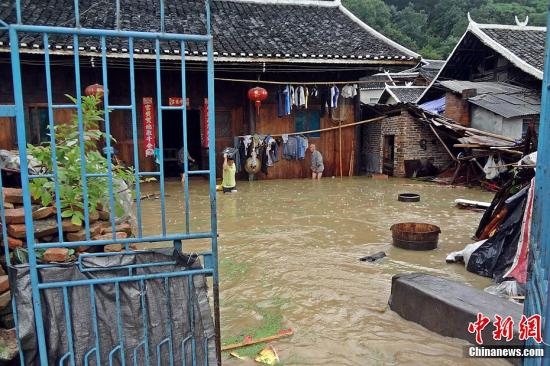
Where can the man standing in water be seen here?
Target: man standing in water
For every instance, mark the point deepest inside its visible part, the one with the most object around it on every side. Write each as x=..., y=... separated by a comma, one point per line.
x=228, y=184
x=317, y=166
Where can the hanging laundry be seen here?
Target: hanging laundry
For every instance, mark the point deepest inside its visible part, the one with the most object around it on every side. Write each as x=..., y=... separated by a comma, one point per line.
x=292, y=96
x=281, y=108
x=247, y=140
x=306, y=96
x=290, y=148
x=324, y=96
x=236, y=145
x=284, y=137
x=334, y=94
x=300, y=96
x=302, y=145
x=349, y=91
x=314, y=92
x=287, y=104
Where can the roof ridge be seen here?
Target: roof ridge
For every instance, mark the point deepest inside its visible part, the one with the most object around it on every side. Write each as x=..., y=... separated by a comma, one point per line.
x=321, y=3
x=507, y=53
x=518, y=26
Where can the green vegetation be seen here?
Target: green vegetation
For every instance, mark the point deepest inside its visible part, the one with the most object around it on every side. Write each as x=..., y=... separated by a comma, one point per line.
x=67, y=139
x=271, y=323
x=433, y=27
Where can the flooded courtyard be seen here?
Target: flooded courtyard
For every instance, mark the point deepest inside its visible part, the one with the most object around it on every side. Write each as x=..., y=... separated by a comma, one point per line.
x=289, y=257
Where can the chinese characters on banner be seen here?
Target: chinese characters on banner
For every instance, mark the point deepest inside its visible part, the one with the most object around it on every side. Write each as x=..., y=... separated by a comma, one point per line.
x=177, y=102
x=149, y=126
x=504, y=328
x=204, y=118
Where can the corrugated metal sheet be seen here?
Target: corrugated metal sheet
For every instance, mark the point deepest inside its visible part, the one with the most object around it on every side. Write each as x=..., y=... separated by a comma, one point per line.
x=506, y=100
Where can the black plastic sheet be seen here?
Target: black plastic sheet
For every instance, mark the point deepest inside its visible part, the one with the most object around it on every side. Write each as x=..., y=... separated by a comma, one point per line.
x=496, y=255
x=166, y=310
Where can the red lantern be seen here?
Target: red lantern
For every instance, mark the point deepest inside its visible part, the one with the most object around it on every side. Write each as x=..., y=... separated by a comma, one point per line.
x=94, y=89
x=257, y=95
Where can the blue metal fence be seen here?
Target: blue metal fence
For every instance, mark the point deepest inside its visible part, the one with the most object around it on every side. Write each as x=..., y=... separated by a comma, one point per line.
x=210, y=258
x=537, y=299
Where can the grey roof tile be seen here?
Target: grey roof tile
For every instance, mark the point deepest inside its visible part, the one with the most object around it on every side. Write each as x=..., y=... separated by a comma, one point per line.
x=238, y=27
x=527, y=44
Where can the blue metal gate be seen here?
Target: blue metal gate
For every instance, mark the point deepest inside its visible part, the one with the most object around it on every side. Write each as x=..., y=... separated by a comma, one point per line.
x=210, y=258
x=537, y=299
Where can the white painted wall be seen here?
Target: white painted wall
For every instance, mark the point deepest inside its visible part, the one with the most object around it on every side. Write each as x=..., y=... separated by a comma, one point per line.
x=485, y=120
x=371, y=96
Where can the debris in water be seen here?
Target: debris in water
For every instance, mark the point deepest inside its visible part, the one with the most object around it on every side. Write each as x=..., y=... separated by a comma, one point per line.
x=267, y=356
x=248, y=340
x=373, y=258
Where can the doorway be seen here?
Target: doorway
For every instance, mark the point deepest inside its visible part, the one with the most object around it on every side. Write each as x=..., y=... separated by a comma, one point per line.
x=388, y=154
x=172, y=140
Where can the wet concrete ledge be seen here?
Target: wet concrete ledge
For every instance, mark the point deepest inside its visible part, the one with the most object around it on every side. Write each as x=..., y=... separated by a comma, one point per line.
x=447, y=307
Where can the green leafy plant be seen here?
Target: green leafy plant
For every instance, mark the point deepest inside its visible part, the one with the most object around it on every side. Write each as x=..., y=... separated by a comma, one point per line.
x=69, y=163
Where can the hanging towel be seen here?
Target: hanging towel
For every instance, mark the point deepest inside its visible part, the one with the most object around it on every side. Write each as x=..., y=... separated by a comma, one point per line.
x=334, y=94
x=292, y=96
x=301, y=96
x=349, y=91
x=306, y=95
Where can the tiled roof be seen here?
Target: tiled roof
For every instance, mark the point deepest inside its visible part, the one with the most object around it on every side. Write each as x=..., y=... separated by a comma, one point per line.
x=402, y=94
x=242, y=29
x=527, y=44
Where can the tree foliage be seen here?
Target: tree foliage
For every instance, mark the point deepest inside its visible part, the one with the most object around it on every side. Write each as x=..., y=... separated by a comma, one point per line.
x=433, y=27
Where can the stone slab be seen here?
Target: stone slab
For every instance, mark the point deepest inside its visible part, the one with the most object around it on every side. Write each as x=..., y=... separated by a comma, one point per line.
x=447, y=307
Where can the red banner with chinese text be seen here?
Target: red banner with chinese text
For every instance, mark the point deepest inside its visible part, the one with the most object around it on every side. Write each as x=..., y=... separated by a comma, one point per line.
x=149, y=138
x=204, y=118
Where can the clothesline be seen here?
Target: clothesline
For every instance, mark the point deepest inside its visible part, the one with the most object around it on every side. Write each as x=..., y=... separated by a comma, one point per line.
x=297, y=82
x=328, y=128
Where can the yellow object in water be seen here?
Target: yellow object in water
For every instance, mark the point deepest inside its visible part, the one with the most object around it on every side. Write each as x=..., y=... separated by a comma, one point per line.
x=267, y=356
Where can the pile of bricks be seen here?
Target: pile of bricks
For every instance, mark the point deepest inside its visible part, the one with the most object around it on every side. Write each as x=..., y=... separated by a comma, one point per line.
x=46, y=228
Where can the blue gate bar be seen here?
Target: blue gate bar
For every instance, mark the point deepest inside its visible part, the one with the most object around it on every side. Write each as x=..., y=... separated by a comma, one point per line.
x=212, y=168
x=137, y=173
x=161, y=143
x=170, y=237
x=7, y=111
x=133, y=278
x=538, y=293
x=108, y=133
x=145, y=319
x=29, y=227
x=198, y=172
x=63, y=106
x=51, y=124
x=81, y=139
x=184, y=131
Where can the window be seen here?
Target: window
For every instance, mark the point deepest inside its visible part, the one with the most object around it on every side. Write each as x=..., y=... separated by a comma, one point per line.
x=308, y=120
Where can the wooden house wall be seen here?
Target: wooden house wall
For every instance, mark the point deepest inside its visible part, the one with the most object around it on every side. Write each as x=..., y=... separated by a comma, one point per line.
x=327, y=144
x=232, y=107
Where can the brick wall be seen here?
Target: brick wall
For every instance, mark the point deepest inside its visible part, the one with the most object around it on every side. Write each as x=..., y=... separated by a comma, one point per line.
x=408, y=133
x=457, y=109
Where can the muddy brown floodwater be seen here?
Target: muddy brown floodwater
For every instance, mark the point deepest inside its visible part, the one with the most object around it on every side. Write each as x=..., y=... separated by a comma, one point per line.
x=292, y=248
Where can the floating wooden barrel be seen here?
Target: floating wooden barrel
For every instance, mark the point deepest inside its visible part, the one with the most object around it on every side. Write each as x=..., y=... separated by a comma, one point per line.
x=408, y=197
x=415, y=236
